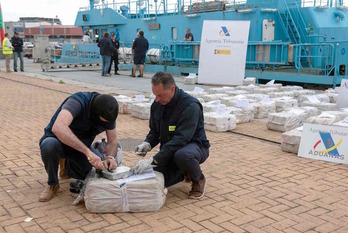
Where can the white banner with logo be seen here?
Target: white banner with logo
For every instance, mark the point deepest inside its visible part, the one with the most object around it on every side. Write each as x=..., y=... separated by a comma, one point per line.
x=223, y=52
x=342, y=101
x=322, y=142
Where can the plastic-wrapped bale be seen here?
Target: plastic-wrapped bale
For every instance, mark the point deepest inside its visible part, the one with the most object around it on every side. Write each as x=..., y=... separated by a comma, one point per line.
x=234, y=102
x=291, y=140
x=320, y=97
x=250, y=88
x=285, y=121
x=249, y=80
x=274, y=85
x=220, y=90
x=256, y=97
x=219, y=122
x=321, y=106
x=327, y=118
x=226, y=100
x=299, y=93
x=343, y=123
x=141, y=110
x=291, y=88
x=243, y=115
x=124, y=104
x=191, y=79
x=236, y=92
x=285, y=102
x=212, y=106
x=262, y=109
x=265, y=91
x=213, y=97
x=281, y=94
x=107, y=196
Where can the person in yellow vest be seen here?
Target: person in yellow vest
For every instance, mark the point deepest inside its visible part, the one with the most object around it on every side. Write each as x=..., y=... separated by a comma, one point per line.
x=7, y=50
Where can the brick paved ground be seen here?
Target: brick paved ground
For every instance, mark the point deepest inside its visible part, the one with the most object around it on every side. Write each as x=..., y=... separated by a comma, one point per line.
x=253, y=186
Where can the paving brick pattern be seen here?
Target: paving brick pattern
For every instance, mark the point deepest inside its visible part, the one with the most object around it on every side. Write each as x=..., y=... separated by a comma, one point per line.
x=252, y=185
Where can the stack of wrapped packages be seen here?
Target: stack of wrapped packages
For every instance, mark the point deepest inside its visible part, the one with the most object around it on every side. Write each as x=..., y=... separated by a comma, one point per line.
x=139, y=193
x=221, y=120
x=249, y=80
x=125, y=103
x=290, y=118
x=191, y=79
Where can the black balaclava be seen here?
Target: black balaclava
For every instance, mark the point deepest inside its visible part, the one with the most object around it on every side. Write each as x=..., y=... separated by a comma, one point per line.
x=104, y=106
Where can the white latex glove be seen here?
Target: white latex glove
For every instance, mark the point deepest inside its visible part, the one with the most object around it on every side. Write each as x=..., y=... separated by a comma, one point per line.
x=143, y=148
x=142, y=166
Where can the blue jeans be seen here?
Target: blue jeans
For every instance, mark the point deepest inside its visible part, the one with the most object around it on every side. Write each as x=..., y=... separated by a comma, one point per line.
x=76, y=164
x=106, y=64
x=16, y=55
x=187, y=161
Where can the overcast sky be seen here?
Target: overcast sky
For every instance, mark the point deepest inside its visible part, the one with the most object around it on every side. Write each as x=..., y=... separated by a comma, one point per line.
x=66, y=10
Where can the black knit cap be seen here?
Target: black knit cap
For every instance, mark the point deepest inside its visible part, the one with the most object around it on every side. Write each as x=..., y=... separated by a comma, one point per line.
x=105, y=106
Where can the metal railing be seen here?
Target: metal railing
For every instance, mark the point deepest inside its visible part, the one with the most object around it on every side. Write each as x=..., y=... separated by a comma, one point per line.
x=262, y=54
x=316, y=58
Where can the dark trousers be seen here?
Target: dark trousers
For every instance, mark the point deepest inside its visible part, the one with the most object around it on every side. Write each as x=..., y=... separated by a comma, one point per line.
x=185, y=161
x=115, y=60
x=76, y=163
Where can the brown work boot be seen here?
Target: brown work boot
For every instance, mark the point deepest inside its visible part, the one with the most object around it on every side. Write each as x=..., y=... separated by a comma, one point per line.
x=62, y=172
x=198, y=188
x=48, y=193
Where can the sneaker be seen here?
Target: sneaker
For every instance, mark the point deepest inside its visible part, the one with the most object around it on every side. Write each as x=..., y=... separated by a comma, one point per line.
x=140, y=76
x=15, y=71
x=117, y=73
x=107, y=75
x=48, y=193
x=132, y=75
x=198, y=188
x=22, y=70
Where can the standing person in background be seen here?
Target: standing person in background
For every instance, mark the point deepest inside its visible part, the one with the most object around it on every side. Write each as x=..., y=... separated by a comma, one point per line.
x=7, y=50
x=106, y=50
x=188, y=35
x=86, y=38
x=114, y=56
x=139, y=47
x=17, y=43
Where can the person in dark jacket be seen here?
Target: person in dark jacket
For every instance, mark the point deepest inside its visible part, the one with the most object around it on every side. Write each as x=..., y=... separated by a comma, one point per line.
x=17, y=44
x=176, y=122
x=114, y=57
x=106, y=50
x=70, y=133
x=139, y=47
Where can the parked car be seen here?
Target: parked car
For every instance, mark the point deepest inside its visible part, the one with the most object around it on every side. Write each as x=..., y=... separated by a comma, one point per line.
x=55, y=45
x=28, y=45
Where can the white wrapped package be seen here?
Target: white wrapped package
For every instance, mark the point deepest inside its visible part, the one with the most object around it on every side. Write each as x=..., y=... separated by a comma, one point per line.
x=291, y=88
x=250, y=88
x=291, y=140
x=198, y=92
x=285, y=121
x=191, y=79
x=249, y=80
x=265, y=91
x=262, y=109
x=226, y=100
x=235, y=102
x=213, y=97
x=281, y=94
x=107, y=196
x=141, y=110
x=256, y=97
x=285, y=102
x=124, y=104
x=322, y=119
x=271, y=84
x=220, y=90
x=321, y=106
x=219, y=122
x=315, y=98
x=212, y=106
x=343, y=123
x=243, y=115
x=299, y=93
x=236, y=92
x=290, y=148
